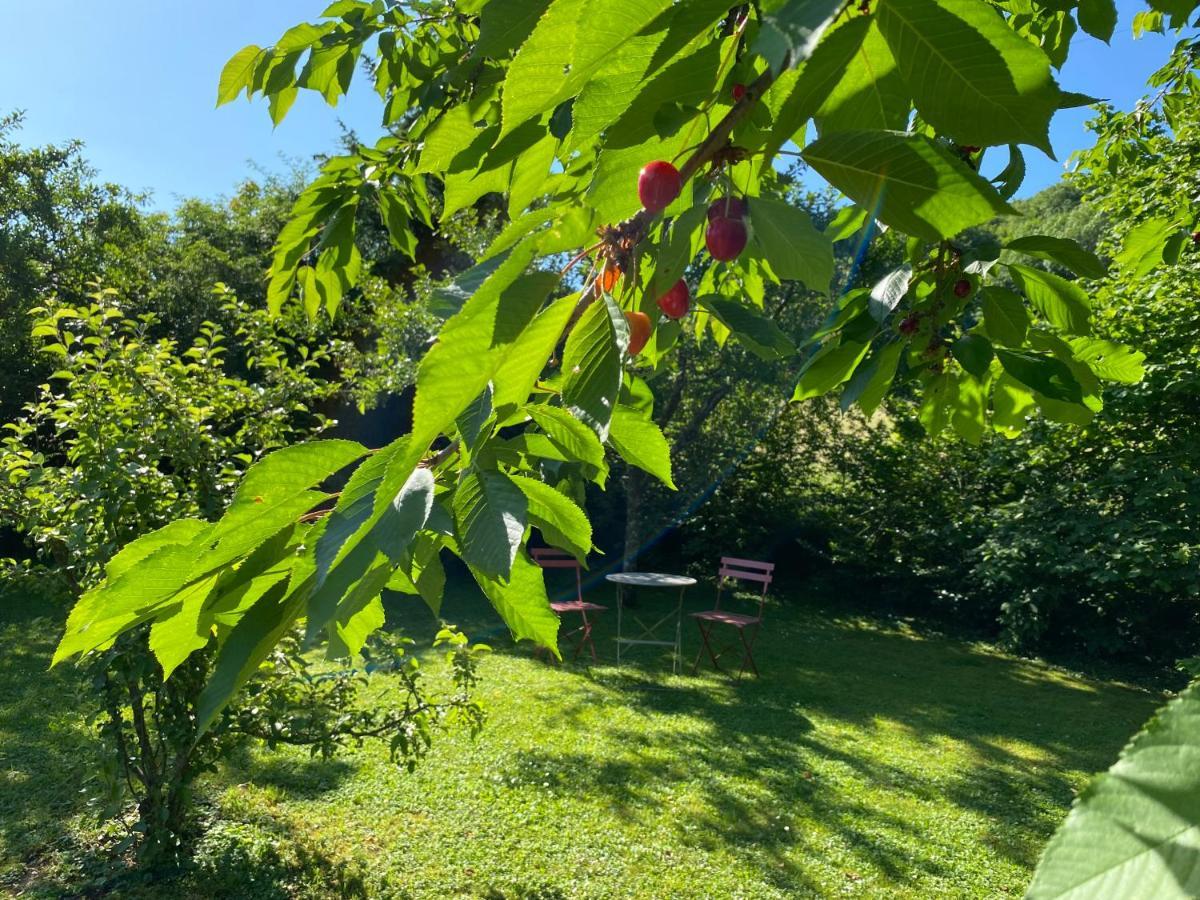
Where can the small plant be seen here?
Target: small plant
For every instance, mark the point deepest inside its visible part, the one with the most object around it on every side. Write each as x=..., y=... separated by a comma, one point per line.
x=131, y=433
x=291, y=702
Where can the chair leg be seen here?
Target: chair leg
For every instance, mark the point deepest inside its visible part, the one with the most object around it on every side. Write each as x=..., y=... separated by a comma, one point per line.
x=582, y=632
x=591, y=643
x=585, y=637
x=581, y=638
x=539, y=651
x=704, y=635
x=700, y=652
x=748, y=656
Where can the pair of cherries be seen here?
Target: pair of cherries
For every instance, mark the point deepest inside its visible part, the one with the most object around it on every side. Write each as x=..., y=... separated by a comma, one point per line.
x=659, y=183
x=674, y=305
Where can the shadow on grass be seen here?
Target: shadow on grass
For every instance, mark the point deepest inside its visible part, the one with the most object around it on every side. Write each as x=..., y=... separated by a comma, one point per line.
x=300, y=779
x=47, y=755
x=49, y=845
x=806, y=743
x=796, y=736
x=756, y=735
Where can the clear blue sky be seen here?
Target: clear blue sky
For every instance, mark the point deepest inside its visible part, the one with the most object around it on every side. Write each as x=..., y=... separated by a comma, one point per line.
x=136, y=81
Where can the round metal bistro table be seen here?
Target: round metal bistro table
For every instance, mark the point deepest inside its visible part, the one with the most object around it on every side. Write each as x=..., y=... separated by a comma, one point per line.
x=650, y=633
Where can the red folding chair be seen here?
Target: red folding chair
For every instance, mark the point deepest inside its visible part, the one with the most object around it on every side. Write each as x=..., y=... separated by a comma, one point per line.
x=733, y=569
x=550, y=558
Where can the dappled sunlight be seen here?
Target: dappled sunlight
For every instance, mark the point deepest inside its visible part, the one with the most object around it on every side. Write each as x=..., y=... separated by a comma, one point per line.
x=46, y=750
x=865, y=759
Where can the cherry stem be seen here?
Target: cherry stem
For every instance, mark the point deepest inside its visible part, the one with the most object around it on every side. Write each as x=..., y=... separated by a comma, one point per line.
x=593, y=274
x=442, y=455
x=580, y=255
x=319, y=513
x=683, y=151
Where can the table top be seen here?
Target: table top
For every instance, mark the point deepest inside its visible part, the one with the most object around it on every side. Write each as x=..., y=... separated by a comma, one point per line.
x=651, y=579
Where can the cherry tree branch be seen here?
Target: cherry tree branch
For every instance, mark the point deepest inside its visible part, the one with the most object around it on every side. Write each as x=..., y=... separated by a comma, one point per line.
x=638, y=226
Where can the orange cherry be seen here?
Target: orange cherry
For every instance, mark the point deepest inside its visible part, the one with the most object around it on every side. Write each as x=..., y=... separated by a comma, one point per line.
x=639, y=331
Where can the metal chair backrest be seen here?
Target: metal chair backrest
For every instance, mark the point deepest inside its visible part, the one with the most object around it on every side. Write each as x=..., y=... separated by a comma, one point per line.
x=745, y=570
x=553, y=558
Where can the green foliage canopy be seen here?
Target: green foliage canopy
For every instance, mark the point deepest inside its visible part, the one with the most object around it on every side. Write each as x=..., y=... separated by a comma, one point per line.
x=557, y=105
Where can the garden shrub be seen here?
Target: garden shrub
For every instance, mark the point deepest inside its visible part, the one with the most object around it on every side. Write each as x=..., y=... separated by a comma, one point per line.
x=131, y=432
x=1062, y=540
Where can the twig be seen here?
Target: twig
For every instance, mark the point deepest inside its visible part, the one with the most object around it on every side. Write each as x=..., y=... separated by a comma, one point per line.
x=442, y=455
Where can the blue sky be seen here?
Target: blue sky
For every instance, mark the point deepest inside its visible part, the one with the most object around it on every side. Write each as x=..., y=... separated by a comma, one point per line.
x=136, y=81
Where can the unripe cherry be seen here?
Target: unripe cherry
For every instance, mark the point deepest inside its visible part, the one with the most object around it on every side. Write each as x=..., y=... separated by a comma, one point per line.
x=675, y=302
x=639, y=331
x=658, y=184
x=608, y=279
x=725, y=238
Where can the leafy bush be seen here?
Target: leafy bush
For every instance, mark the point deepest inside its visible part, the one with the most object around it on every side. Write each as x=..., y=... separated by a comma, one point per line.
x=130, y=433
x=58, y=228
x=1062, y=539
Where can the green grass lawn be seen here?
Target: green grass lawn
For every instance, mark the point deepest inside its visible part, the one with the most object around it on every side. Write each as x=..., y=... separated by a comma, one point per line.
x=871, y=759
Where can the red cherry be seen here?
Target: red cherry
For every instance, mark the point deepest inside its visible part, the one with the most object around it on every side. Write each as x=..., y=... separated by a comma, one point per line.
x=727, y=208
x=658, y=185
x=639, y=331
x=725, y=238
x=909, y=326
x=739, y=91
x=962, y=288
x=969, y=149
x=1196, y=237
x=674, y=303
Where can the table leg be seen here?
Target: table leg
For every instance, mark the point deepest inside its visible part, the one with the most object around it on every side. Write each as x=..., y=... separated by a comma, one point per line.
x=678, y=633
x=620, y=603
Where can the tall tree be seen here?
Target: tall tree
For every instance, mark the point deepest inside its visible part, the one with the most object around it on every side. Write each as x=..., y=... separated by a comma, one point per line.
x=57, y=224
